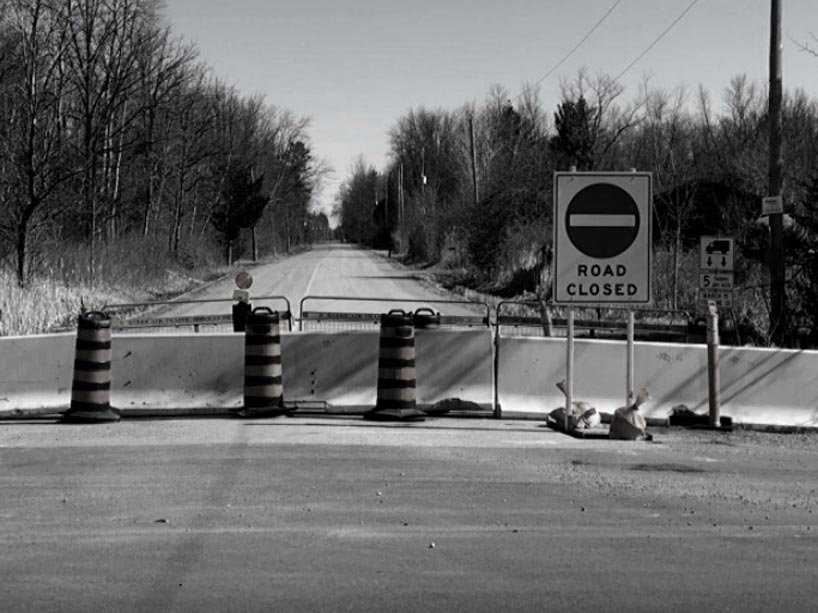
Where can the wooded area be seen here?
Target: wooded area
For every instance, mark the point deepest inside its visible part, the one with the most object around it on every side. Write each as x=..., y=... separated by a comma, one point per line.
x=121, y=151
x=471, y=189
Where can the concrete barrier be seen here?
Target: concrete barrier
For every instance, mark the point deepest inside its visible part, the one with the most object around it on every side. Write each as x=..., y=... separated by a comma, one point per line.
x=191, y=371
x=36, y=371
x=760, y=386
x=342, y=367
x=158, y=371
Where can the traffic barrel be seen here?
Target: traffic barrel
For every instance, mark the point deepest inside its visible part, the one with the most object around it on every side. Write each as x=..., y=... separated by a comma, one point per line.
x=396, y=370
x=263, y=389
x=91, y=386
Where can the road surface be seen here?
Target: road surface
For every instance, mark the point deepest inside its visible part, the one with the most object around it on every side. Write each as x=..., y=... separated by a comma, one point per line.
x=338, y=514
x=333, y=269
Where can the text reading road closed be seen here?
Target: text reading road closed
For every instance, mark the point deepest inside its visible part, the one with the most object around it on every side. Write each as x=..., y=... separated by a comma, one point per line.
x=601, y=280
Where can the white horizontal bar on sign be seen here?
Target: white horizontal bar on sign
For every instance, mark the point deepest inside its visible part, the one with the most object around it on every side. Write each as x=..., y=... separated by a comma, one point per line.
x=602, y=221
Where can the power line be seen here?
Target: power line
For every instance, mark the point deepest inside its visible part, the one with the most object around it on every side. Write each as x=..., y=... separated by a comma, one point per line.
x=658, y=38
x=576, y=46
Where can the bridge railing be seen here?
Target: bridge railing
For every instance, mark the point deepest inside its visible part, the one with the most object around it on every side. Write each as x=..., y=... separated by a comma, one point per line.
x=534, y=318
x=142, y=316
x=342, y=319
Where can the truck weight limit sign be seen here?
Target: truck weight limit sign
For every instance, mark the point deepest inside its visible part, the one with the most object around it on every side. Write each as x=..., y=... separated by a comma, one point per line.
x=602, y=246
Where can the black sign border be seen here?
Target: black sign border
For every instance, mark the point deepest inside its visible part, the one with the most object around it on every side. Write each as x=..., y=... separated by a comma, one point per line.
x=555, y=230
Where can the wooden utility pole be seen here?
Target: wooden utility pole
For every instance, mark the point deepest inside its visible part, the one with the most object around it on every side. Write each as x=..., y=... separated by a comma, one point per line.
x=400, y=194
x=473, y=160
x=778, y=308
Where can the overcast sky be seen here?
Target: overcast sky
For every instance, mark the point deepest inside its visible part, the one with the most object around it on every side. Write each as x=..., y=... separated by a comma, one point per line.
x=355, y=66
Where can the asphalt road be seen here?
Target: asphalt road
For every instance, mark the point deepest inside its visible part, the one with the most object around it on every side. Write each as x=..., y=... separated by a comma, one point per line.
x=332, y=269
x=337, y=514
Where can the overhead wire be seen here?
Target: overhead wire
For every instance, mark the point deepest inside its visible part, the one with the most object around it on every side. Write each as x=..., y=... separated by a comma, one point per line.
x=576, y=46
x=594, y=29
x=657, y=39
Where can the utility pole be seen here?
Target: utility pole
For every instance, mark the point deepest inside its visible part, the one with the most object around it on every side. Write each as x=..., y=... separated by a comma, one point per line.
x=473, y=160
x=400, y=193
x=779, y=322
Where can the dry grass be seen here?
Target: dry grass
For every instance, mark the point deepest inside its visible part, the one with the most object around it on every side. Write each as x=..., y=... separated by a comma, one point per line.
x=44, y=305
x=135, y=270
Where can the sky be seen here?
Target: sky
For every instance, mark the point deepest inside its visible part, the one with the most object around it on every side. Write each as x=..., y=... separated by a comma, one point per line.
x=355, y=66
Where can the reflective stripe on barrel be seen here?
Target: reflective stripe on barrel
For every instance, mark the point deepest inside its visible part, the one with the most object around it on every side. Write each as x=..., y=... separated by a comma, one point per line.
x=91, y=385
x=262, y=361
x=396, y=362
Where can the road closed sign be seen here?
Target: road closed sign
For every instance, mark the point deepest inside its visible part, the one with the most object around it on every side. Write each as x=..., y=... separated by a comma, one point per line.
x=602, y=243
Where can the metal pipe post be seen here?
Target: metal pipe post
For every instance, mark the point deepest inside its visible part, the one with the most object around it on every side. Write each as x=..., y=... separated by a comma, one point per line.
x=569, y=367
x=629, y=370
x=713, y=364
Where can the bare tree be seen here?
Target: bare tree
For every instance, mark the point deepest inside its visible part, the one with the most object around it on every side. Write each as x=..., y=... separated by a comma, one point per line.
x=34, y=151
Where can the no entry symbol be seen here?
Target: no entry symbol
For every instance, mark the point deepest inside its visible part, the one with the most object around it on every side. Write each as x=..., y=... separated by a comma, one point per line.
x=602, y=220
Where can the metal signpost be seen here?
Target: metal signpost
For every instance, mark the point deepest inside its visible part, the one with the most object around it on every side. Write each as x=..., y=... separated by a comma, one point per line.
x=716, y=262
x=602, y=249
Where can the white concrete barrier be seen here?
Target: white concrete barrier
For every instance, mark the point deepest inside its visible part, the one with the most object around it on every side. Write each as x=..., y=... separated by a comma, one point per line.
x=36, y=371
x=342, y=367
x=159, y=371
x=185, y=371
x=762, y=386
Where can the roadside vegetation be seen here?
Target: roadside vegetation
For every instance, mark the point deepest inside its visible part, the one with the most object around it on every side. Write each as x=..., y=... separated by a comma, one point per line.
x=468, y=192
x=128, y=170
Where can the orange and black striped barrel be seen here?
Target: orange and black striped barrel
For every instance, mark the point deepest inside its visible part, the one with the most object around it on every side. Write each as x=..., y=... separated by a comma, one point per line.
x=91, y=387
x=263, y=388
x=396, y=370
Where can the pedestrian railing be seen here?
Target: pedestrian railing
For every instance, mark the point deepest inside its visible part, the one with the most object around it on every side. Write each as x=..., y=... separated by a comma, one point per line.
x=534, y=318
x=148, y=317
x=339, y=317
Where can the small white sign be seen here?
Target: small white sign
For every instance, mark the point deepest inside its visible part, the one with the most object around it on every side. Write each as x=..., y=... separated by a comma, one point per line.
x=771, y=205
x=715, y=280
x=722, y=298
x=716, y=253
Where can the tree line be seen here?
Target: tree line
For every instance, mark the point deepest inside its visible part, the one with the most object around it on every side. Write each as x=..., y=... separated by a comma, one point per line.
x=471, y=188
x=113, y=133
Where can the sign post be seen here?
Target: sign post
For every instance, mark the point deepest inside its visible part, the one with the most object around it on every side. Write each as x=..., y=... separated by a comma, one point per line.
x=242, y=307
x=717, y=260
x=713, y=387
x=569, y=367
x=602, y=248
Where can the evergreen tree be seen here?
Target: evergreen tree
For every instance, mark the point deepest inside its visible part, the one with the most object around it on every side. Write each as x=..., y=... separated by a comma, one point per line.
x=241, y=205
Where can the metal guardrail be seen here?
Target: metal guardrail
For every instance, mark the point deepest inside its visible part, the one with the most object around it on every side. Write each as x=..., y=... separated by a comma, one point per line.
x=646, y=321
x=194, y=321
x=367, y=320
x=598, y=327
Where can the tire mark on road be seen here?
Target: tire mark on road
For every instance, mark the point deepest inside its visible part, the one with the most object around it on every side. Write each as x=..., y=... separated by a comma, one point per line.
x=191, y=547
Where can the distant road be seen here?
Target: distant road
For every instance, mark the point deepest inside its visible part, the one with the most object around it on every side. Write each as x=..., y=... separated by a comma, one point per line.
x=333, y=269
